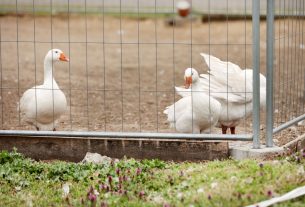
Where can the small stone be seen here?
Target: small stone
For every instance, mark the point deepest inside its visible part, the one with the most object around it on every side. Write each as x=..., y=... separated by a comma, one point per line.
x=301, y=123
x=292, y=128
x=65, y=190
x=96, y=159
x=276, y=141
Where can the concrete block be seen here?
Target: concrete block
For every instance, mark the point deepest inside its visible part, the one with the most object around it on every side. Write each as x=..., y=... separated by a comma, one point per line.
x=246, y=151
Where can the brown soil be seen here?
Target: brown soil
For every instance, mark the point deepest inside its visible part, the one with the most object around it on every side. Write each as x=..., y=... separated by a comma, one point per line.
x=125, y=87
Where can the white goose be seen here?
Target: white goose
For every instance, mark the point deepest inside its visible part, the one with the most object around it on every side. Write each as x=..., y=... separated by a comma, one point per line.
x=42, y=105
x=232, y=87
x=195, y=112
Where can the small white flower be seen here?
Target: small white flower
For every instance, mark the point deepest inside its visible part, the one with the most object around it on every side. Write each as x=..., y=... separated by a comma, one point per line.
x=96, y=192
x=200, y=190
x=179, y=195
x=214, y=185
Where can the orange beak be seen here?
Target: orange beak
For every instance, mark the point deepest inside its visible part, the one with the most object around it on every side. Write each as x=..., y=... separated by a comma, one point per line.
x=62, y=57
x=188, y=82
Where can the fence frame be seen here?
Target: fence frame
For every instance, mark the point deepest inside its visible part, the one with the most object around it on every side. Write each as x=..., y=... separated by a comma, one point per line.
x=270, y=130
x=256, y=72
x=269, y=66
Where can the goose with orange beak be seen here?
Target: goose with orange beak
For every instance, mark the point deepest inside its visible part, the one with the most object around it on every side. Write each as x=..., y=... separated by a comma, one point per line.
x=42, y=105
x=196, y=112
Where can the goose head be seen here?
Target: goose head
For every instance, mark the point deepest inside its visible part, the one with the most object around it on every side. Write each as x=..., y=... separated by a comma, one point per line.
x=190, y=77
x=56, y=55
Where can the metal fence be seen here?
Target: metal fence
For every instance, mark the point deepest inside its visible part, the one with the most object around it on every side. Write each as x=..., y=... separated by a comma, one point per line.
x=124, y=64
x=285, y=54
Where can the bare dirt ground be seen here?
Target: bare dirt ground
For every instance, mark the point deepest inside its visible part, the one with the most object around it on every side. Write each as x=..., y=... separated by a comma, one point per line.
x=122, y=72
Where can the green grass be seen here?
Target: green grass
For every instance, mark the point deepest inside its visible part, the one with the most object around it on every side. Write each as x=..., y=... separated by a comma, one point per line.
x=25, y=182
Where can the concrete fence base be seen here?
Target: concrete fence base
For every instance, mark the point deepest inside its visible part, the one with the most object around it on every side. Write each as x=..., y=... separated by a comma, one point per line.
x=74, y=149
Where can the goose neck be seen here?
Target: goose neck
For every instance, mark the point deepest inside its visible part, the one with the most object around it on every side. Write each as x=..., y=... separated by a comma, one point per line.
x=48, y=73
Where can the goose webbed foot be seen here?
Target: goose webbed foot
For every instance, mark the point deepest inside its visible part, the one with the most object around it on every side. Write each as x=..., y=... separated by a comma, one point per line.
x=37, y=128
x=54, y=129
x=224, y=129
x=232, y=129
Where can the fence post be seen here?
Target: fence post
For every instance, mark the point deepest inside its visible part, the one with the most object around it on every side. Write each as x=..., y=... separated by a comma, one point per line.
x=256, y=70
x=269, y=62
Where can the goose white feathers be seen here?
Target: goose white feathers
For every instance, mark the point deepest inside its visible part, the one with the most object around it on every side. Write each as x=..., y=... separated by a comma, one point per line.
x=232, y=87
x=42, y=105
x=195, y=112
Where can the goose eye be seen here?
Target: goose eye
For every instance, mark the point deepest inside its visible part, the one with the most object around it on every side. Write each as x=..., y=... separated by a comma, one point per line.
x=56, y=51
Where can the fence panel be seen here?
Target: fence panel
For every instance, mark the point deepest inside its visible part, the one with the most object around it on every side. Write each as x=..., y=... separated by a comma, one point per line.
x=124, y=61
x=288, y=64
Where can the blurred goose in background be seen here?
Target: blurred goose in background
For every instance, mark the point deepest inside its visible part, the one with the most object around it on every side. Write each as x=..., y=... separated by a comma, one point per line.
x=42, y=105
x=232, y=87
x=195, y=112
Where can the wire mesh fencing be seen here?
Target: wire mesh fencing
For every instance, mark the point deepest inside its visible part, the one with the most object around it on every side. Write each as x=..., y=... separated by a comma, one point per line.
x=126, y=57
x=288, y=52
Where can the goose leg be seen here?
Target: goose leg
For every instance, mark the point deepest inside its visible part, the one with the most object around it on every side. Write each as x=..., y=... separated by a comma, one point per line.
x=232, y=129
x=224, y=129
x=37, y=128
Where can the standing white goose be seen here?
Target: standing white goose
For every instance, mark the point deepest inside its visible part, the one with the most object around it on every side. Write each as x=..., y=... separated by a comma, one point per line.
x=195, y=112
x=42, y=105
x=232, y=87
